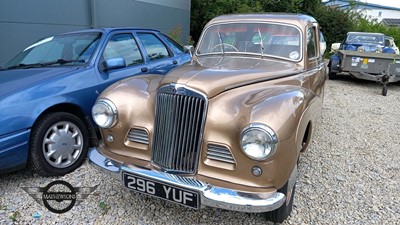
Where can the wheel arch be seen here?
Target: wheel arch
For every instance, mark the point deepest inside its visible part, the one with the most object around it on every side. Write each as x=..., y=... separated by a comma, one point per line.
x=74, y=110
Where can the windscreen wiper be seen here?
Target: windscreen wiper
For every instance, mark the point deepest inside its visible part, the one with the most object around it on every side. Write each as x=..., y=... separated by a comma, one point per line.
x=221, y=43
x=62, y=61
x=23, y=66
x=58, y=61
x=261, y=43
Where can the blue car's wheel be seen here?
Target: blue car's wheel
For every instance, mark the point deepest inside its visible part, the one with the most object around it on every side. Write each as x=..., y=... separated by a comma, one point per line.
x=59, y=143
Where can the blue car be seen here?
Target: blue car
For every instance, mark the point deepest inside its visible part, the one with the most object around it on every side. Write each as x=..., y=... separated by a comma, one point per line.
x=47, y=92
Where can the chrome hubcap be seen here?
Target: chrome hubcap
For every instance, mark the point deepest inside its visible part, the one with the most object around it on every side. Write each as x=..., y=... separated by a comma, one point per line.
x=62, y=144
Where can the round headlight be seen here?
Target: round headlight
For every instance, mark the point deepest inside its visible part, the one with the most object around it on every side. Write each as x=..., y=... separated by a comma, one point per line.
x=104, y=113
x=258, y=141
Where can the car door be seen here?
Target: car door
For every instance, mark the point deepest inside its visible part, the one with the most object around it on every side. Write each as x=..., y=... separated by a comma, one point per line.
x=160, y=58
x=120, y=46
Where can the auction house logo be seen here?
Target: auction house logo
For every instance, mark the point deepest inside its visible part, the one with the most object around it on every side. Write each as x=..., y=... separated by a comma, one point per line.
x=59, y=196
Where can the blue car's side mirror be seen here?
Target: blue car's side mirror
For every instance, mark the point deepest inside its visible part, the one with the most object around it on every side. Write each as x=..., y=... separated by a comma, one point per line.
x=188, y=49
x=114, y=63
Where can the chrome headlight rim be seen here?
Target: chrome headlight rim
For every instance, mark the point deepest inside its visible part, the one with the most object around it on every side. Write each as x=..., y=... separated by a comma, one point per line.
x=108, y=103
x=268, y=131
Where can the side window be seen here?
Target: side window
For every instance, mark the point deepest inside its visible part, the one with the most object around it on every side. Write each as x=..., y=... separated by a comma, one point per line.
x=311, y=43
x=123, y=46
x=174, y=45
x=154, y=47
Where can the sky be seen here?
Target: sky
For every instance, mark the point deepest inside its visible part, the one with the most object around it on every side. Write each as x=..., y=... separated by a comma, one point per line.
x=392, y=3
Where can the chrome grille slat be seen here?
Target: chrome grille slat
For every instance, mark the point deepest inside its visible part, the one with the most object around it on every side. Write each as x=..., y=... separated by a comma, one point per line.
x=220, y=153
x=178, y=129
x=221, y=159
x=138, y=135
x=186, y=180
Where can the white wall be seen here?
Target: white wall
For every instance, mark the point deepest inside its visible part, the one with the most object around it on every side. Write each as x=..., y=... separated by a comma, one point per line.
x=380, y=14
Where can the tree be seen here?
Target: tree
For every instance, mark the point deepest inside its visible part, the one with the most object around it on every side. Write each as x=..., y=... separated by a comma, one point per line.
x=203, y=11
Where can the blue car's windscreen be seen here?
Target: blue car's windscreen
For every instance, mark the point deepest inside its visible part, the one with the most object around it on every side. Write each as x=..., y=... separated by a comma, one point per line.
x=68, y=49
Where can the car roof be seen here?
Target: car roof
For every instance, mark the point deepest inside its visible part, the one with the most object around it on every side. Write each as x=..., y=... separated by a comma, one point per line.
x=111, y=29
x=289, y=18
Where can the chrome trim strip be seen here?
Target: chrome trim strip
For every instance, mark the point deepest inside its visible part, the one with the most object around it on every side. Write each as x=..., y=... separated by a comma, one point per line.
x=209, y=195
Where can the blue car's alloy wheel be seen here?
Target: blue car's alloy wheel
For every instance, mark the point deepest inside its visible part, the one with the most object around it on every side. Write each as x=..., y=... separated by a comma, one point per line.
x=59, y=143
x=62, y=144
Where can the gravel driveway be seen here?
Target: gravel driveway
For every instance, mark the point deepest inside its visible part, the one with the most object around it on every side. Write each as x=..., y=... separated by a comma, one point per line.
x=350, y=175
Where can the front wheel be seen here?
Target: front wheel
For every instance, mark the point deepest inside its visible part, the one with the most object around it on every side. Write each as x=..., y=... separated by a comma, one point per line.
x=282, y=213
x=59, y=143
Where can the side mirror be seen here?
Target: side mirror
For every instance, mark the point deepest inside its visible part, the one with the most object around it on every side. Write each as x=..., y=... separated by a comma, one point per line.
x=114, y=63
x=335, y=47
x=188, y=49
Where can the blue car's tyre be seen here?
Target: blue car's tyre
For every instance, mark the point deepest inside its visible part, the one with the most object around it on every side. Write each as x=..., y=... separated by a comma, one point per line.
x=58, y=144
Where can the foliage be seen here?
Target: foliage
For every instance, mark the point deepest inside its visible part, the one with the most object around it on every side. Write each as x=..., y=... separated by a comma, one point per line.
x=176, y=35
x=204, y=10
x=14, y=216
x=334, y=22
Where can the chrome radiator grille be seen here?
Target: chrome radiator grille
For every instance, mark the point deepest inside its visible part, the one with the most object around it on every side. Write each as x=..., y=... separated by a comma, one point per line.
x=180, y=116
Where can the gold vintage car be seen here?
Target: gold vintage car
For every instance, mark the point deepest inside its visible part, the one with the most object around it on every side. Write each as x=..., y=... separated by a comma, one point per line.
x=225, y=130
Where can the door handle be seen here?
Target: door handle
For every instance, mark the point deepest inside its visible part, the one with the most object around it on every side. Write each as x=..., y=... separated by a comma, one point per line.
x=144, y=69
x=174, y=62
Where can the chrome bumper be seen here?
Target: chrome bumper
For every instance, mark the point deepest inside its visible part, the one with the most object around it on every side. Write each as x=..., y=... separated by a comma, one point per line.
x=209, y=195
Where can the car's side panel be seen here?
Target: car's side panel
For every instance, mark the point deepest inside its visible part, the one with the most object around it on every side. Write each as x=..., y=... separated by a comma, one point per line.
x=14, y=150
x=23, y=108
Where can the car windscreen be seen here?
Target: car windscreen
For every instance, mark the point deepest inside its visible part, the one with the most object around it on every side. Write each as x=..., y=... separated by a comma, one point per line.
x=365, y=38
x=67, y=49
x=272, y=39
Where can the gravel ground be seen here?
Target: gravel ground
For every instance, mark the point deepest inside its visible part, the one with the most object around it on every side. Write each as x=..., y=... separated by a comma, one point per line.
x=350, y=175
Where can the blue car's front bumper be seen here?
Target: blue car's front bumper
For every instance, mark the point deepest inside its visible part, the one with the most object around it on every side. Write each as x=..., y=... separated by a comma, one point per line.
x=14, y=150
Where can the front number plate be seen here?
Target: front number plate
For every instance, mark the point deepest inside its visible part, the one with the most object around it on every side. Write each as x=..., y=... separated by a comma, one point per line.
x=165, y=191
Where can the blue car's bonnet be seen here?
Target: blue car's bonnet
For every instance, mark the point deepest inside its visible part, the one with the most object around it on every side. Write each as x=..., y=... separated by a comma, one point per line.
x=13, y=80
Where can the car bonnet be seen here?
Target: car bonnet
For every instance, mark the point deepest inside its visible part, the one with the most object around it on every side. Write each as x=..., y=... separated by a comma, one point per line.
x=213, y=75
x=18, y=79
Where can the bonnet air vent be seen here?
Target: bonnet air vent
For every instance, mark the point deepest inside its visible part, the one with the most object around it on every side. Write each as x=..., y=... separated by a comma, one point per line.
x=139, y=136
x=220, y=153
